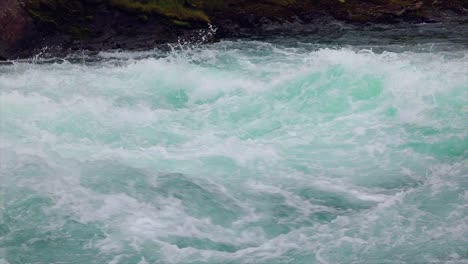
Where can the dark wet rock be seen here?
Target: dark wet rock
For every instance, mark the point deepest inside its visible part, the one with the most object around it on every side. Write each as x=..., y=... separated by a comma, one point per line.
x=59, y=27
x=16, y=26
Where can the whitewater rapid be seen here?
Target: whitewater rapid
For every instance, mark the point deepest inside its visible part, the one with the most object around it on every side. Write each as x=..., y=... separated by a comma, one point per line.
x=236, y=152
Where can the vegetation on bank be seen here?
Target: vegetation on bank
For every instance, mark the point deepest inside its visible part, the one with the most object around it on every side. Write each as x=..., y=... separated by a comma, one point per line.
x=102, y=24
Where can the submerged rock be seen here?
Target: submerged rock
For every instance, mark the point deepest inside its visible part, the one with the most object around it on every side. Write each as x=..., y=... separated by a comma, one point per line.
x=58, y=26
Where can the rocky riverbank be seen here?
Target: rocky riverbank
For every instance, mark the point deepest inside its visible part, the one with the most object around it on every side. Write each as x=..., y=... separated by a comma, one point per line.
x=61, y=26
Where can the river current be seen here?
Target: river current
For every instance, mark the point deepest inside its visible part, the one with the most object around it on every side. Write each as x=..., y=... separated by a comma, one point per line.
x=293, y=149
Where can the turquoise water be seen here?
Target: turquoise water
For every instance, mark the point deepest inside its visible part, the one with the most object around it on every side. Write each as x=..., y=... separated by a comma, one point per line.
x=237, y=152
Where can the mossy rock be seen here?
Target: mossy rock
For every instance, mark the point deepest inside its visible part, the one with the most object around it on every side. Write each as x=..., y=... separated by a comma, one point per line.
x=177, y=9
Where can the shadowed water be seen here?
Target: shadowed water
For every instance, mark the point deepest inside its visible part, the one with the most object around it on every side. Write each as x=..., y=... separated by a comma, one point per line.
x=272, y=151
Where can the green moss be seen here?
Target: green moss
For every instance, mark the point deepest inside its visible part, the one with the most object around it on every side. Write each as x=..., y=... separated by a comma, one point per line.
x=223, y=4
x=170, y=8
x=60, y=12
x=181, y=23
x=42, y=17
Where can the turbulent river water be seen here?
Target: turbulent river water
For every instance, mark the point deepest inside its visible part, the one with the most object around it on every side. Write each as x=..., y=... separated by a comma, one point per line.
x=338, y=149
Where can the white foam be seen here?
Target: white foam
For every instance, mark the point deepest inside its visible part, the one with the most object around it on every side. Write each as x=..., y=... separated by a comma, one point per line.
x=251, y=125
